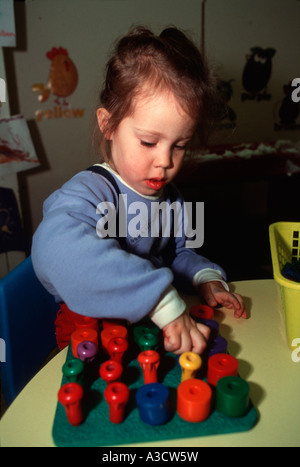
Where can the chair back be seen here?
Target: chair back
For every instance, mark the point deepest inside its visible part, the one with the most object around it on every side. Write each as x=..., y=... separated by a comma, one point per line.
x=27, y=330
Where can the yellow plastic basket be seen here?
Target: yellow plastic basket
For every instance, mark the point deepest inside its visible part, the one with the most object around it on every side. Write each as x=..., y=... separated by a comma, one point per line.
x=285, y=248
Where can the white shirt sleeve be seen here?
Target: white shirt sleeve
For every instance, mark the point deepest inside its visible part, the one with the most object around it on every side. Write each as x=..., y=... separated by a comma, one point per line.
x=170, y=307
x=208, y=275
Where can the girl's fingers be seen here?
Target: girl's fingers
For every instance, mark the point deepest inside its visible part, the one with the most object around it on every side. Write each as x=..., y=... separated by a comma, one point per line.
x=240, y=312
x=209, y=297
x=172, y=342
x=192, y=337
x=199, y=340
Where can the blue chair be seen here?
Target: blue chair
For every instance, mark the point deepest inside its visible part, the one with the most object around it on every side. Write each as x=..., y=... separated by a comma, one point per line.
x=27, y=330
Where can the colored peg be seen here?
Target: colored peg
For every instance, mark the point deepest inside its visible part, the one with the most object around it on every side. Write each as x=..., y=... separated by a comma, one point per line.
x=87, y=351
x=147, y=341
x=194, y=400
x=140, y=330
x=199, y=312
x=219, y=345
x=83, y=322
x=190, y=363
x=213, y=326
x=106, y=323
x=111, y=332
x=73, y=370
x=117, y=347
x=232, y=396
x=116, y=395
x=80, y=335
x=220, y=365
x=149, y=362
x=110, y=371
x=153, y=403
x=70, y=396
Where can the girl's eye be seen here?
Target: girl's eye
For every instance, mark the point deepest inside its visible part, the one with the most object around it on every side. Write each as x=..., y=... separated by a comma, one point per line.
x=180, y=148
x=147, y=144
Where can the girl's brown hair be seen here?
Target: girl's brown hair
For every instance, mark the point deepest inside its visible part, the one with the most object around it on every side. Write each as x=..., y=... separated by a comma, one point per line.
x=168, y=61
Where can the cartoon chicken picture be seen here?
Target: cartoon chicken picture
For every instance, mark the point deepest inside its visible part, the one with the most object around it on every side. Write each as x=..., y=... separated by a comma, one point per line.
x=63, y=77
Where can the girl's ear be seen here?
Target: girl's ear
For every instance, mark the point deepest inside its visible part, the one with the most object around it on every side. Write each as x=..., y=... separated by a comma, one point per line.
x=103, y=117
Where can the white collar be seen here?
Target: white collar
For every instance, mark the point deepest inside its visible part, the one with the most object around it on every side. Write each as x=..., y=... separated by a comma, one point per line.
x=106, y=166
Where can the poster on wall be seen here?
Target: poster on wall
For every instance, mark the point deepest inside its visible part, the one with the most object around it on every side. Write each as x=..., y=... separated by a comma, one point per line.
x=287, y=111
x=11, y=237
x=229, y=120
x=7, y=24
x=57, y=90
x=4, y=104
x=257, y=73
x=17, y=152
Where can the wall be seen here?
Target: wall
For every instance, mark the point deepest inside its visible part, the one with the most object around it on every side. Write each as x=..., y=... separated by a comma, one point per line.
x=232, y=28
x=88, y=28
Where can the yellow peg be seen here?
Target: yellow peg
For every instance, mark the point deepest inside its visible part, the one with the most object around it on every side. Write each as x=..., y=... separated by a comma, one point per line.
x=190, y=363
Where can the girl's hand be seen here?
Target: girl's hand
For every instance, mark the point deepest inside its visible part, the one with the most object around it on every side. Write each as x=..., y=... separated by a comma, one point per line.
x=185, y=335
x=214, y=294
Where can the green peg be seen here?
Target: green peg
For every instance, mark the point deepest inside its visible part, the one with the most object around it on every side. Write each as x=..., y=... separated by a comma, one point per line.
x=147, y=341
x=140, y=330
x=73, y=370
x=232, y=396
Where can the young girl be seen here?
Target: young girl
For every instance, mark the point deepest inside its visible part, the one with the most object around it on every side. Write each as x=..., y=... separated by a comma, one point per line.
x=157, y=96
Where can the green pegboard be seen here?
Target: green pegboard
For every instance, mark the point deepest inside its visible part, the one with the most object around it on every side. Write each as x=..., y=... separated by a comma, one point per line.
x=97, y=430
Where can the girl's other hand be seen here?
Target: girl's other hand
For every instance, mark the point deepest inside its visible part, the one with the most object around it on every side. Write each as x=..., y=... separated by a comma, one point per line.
x=214, y=294
x=185, y=335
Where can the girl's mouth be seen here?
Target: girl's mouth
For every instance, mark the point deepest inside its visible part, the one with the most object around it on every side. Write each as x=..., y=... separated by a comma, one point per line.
x=156, y=183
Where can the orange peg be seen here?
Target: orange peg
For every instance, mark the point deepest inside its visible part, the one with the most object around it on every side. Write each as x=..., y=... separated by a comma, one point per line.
x=81, y=335
x=194, y=400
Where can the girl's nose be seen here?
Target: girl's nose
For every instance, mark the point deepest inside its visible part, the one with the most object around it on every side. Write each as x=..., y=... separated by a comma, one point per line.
x=164, y=159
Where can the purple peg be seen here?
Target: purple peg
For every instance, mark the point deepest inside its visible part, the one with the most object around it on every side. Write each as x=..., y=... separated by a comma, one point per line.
x=219, y=345
x=86, y=351
x=212, y=324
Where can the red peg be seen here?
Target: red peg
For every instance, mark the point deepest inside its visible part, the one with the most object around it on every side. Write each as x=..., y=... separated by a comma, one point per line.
x=110, y=371
x=110, y=332
x=116, y=395
x=149, y=361
x=116, y=348
x=70, y=396
x=202, y=312
x=219, y=366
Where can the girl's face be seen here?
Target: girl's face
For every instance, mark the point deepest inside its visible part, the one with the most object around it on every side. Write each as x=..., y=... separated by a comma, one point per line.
x=148, y=146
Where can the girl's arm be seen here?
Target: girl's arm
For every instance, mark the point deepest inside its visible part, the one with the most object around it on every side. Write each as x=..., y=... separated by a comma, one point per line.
x=92, y=275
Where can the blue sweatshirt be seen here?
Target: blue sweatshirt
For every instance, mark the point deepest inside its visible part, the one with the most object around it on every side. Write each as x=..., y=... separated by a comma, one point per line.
x=78, y=258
